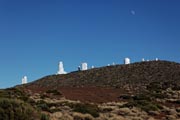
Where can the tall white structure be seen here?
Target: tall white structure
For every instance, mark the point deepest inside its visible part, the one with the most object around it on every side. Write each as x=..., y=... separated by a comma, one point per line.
x=157, y=59
x=143, y=59
x=84, y=66
x=24, y=80
x=61, y=68
x=127, y=61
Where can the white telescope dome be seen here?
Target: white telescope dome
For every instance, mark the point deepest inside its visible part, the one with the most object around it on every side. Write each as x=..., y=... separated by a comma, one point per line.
x=127, y=61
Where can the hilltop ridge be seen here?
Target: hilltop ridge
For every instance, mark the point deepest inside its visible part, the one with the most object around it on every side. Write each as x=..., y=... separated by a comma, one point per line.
x=117, y=76
x=138, y=91
x=109, y=82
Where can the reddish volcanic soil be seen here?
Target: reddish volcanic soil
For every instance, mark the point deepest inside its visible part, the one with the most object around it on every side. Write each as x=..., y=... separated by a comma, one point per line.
x=86, y=94
x=92, y=94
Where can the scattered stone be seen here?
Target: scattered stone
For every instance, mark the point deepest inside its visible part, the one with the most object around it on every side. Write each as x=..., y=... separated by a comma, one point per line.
x=171, y=117
x=153, y=113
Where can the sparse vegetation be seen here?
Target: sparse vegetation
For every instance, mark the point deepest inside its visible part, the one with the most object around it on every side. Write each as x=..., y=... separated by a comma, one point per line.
x=86, y=108
x=139, y=89
x=54, y=92
x=43, y=106
x=44, y=117
x=137, y=75
x=14, y=93
x=16, y=110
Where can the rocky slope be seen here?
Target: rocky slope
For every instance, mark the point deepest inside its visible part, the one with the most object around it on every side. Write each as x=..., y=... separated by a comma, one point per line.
x=139, y=91
x=136, y=76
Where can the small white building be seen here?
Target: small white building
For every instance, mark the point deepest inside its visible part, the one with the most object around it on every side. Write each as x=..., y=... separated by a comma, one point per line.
x=127, y=61
x=143, y=59
x=24, y=80
x=61, y=69
x=84, y=66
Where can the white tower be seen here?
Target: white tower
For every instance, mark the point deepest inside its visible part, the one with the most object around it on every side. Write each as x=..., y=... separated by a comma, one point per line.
x=24, y=80
x=157, y=59
x=143, y=59
x=61, y=68
x=84, y=66
x=127, y=61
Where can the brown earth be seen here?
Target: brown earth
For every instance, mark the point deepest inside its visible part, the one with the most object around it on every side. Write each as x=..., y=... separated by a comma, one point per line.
x=85, y=94
x=106, y=84
x=91, y=94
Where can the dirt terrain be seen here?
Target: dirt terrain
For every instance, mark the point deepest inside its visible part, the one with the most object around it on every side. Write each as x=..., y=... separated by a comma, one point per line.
x=90, y=94
x=139, y=91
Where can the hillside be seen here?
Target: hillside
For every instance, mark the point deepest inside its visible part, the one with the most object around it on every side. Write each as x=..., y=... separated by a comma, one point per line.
x=119, y=76
x=138, y=91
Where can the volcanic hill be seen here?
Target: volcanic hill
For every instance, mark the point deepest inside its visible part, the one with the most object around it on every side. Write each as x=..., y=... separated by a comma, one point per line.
x=138, y=91
x=108, y=82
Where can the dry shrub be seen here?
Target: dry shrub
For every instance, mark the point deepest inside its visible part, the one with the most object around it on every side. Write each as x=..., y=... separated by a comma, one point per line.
x=79, y=116
x=66, y=116
x=110, y=116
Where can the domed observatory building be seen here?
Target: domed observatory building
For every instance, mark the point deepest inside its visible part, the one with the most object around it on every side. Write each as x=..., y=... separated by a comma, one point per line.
x=24, y=80
x=127, y=61
x=61, y=69
x=84, y=66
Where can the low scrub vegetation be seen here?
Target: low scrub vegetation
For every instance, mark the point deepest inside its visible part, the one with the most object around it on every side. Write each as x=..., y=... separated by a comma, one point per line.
x=54, y=92
x=16, y=110
x=86, y=109
x=45, y=117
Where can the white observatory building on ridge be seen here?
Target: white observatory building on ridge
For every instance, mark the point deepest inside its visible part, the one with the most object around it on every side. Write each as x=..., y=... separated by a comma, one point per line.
x=24, y=80
x=84, y=66
x=61, y=69
x=127, y=61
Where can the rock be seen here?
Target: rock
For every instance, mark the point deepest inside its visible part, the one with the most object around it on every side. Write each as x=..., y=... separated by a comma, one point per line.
x=153, y=113
x=124, y=111
x=57, y=115
x=178, y=109
x=172, y=112
x=171, y=117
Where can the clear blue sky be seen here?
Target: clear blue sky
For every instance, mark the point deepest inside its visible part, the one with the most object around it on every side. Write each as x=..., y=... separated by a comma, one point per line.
x=36, y=34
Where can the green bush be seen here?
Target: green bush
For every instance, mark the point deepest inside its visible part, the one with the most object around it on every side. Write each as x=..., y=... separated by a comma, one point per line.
x=87, y=108
x=144, y=105
x=14, y=93
x=43, y=96
x=54, y=92
x=147, y=106
x=158, y=95
x=155, y=86
x=44, y=117
x=142, y=97
x=43, y=106
x=15, y=110
x=125, y=97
